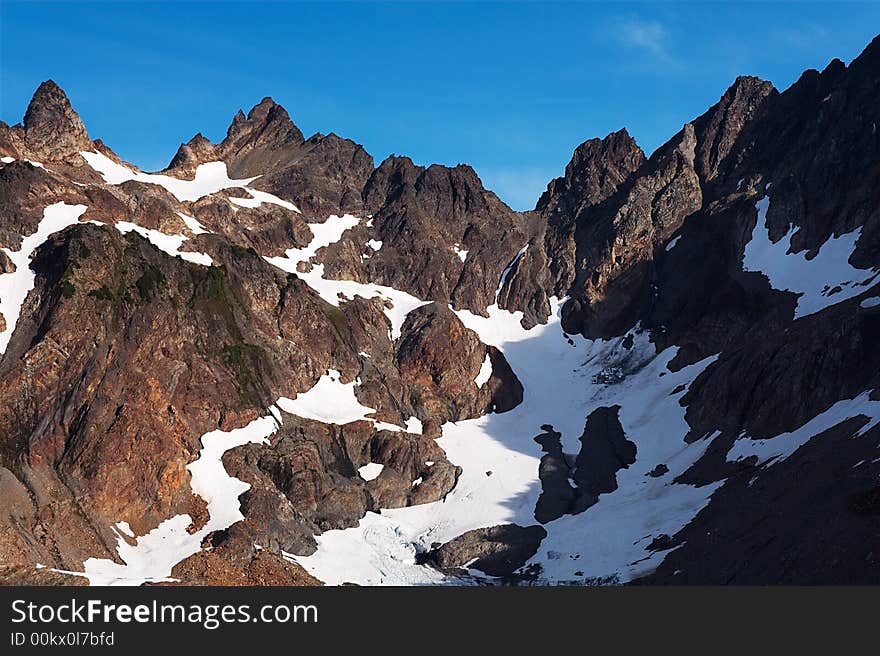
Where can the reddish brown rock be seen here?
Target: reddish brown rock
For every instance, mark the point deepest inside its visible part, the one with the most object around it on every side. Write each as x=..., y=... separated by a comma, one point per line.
x=439, y=360
x=222, y=566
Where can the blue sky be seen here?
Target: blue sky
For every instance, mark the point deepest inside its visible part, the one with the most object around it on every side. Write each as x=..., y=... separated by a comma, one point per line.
x=510, y=88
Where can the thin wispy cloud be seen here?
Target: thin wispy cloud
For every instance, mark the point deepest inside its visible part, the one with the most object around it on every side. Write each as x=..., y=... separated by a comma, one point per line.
x=804, y=37
x=648, y=36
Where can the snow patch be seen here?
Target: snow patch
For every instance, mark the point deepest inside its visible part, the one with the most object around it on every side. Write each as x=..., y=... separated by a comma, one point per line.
x=780, y=447
x=672, y=243
x=329, y=401
x=507, y=270
x=370, y=471
x=125, y=529
x=209, y=178
x=823, y=281
x=10, y=160
x=14, y=287
x=323, y=234
x=462, y=253
x=209, y=478
x=169, y=244
x=194, y=226
x=412, y=425
x=868, y=303
x=485, y=372
x=259, y=197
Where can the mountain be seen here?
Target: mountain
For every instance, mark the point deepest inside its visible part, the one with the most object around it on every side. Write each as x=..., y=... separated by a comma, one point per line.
x=275, y=362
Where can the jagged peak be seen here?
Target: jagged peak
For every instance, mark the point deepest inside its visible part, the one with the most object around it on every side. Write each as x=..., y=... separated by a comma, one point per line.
x=835, y=66
x=264, y=109
x=597, y=167
x=48, y=93
x=404, y=165
x=745, y=82
x=198, y=138
x=48, y=102
x=266, y=124
x=587, y=152
x=398, y=176
x=52, y=129
x=237, y=120
x=196, y=151
x=266, y=102
x=717, y=130
x=395, y=160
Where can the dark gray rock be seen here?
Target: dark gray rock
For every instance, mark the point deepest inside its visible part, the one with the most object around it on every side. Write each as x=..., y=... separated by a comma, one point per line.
x=557, y=494
x=604, y=451
x=496, y=551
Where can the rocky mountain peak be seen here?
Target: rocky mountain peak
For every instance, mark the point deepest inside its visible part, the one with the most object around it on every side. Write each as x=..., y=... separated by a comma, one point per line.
x=237, y=120
x=196, y=151
x=719, y=128
x=52, y=129
x=267, y=125
x=437, y=189
x=389, y=181
x=264, y=140
x=596, y=169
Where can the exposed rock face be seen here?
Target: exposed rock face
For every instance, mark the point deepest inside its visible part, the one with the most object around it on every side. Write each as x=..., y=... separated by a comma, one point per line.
x=604, y=450
x=557, y=493
x=443, y=236
x=135, y=388
x=616, y=239
x=549, y=266
x=608, y=215
x=266, y=129
x=28, y=189
x=307, y=482
x=6, y=265
x=572, y=485
x=822, y=504
x=197, y=150
x=718, y=130
x=838, y=344
x=226, y=566
x=496, y=551
x=807, y=142
x=439, y=361
x=326, y=176
x=596, y=171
